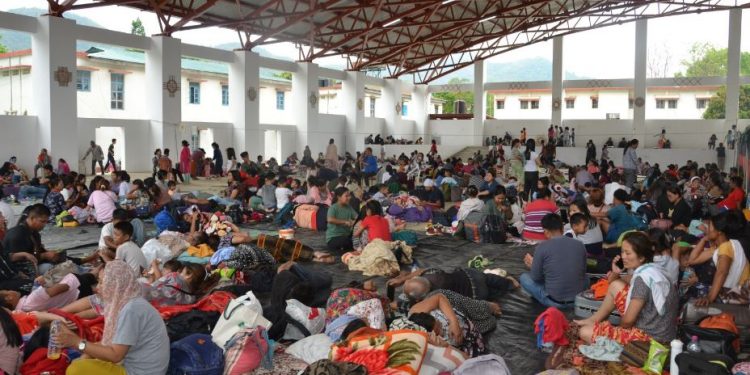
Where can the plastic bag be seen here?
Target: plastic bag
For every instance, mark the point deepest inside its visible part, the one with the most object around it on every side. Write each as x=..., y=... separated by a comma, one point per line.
x=657, y=355
x=153, y=249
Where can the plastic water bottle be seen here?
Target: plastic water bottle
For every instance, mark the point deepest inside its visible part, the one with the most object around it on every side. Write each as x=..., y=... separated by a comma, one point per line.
x=694, y=346
x=54, y=349
x=676, y=348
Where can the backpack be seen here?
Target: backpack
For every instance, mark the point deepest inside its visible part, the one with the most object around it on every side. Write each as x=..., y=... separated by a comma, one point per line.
x=704, y=364
x=712, y=340
x=195, y=355
x=247, y=350
x=723, y=321
x=493, y=230
x=644, y=214
x=321, y=218
x=472, y=226
x=191, y=322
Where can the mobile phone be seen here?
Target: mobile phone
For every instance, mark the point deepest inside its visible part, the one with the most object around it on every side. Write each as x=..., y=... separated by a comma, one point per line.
x=620, y=264
x=391, y=292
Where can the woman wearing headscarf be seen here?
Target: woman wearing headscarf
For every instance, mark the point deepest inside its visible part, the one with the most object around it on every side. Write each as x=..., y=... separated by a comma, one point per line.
x=135, y=339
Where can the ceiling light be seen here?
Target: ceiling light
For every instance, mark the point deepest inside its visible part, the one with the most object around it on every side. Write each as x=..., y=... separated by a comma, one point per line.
x=487, y=18
x=391, y=23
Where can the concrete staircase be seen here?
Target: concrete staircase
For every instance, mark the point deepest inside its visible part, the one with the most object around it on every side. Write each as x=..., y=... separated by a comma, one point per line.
x=468, y=152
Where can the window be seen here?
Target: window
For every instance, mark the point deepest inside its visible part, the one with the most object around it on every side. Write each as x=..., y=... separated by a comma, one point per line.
x=528, y=103
x=437, y=109
x=117, y=97
x=224, y=95
x=280, y=100
x=195, y=93
x=404, y=109
x=372, y=107
x=672, y=103
x=534, y=104
x=660, y=103
x=500, y=104
x=594, y=103
x=630, y=103
x=570, y=103
x=524, y=104
x=83, y=80
x=701, y=103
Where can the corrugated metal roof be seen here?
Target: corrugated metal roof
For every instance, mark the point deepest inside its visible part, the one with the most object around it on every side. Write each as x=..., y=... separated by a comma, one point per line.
x=135, y=56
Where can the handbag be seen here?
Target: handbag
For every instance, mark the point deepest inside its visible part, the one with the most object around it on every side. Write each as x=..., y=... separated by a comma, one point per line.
x=241, y=313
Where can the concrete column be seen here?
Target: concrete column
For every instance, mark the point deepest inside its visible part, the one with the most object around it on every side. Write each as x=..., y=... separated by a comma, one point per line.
x=557, y=80
x=733, y=69
x=304, y=88
x=353, y=104
x=163, y=66
x=421, y=110
x=480, y=104
x=639, y=81
x=392, y=109
x=54, y=81
x=244, y=102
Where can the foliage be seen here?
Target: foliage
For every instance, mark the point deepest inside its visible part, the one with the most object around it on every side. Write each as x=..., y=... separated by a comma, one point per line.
x=706, y=61
x=451, y=97
x=2, y=47
x=716, y=107
x=284, y=75
x=136, y=27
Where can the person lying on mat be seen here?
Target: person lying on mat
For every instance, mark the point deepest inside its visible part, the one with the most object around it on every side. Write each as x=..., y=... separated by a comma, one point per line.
x=645, y=298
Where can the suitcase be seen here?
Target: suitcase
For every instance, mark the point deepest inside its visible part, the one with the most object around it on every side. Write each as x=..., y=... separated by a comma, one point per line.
x=304, y=216
x=585, y=307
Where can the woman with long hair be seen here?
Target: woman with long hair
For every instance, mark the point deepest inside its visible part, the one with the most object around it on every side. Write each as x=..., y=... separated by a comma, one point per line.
x=341, y=219
x=531, y=168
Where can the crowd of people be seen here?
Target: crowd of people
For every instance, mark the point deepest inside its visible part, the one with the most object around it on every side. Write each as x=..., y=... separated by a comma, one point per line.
x=660, y=237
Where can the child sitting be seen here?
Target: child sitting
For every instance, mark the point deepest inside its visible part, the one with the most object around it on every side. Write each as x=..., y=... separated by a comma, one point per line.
x=283, y=194
x=127, y=251
x=374, y=223
x=268, y=193
x=103, y=201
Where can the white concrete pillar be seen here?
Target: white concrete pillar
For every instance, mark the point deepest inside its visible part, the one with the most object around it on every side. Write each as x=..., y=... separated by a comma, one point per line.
x=244, y=103
x=639, y=81
x=421, y=108
x=54, y=85
x=557, y=80
x=480, y=104
x=353, y=104
x=733, y=69
x=305, y=95
x=163, y=70
x=392, y=109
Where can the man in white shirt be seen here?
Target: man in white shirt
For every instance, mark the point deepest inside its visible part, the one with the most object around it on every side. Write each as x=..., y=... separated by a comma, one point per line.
x=127, y=250
x=611, y=188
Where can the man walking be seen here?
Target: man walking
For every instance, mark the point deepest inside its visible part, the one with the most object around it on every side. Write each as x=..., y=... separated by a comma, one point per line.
x=97, y=156
x=111, y=156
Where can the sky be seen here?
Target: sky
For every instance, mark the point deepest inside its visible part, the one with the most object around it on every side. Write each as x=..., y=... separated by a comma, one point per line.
x=602, y=53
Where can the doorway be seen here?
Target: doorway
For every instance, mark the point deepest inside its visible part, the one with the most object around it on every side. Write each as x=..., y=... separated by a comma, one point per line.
x=103, y=137
x=272, y=144
x=205, y=138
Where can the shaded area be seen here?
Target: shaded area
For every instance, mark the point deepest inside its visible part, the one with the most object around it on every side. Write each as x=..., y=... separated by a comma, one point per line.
x=514, y=337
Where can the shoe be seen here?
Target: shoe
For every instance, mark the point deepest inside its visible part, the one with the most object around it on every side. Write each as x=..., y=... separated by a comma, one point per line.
x=497, y=271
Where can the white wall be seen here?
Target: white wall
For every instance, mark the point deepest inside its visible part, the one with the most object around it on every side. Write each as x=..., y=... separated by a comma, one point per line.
x=453, y=132
x=288, y=141
x=534, y=128
x=326, y=127
x=268, y=112
x=210, y=108
x=19, y=136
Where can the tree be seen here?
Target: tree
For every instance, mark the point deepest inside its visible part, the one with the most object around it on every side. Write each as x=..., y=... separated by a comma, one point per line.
x=451, y=97
x=284, y=75
x=716, y=107
x=136, y=27
x=2, y=47
x=658, y=61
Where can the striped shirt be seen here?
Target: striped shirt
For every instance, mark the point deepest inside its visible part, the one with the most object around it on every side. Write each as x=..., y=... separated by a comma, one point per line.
x=534, y=213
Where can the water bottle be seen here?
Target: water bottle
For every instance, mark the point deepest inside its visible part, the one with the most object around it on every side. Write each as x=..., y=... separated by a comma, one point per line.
x=694, y=346
x=676, y=348
x=54, y=348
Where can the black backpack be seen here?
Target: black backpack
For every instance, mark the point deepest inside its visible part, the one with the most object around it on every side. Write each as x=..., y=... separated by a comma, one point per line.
x=704, y=364
x=712, y=340
x=321, y=218
x=191, y=322
x=493, y=230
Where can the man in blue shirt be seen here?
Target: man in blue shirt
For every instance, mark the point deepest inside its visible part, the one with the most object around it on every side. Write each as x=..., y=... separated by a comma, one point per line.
x=370, y=168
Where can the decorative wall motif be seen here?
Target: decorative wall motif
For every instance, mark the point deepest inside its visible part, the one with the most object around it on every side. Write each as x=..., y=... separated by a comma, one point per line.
x=518, y=85
x=172, y=86
x=687, y=81
x=639, y=102
x=252, y=93
x=313, y=99
x=556, y=104
x=360, y=104
x=63, y=76
x=593, y=83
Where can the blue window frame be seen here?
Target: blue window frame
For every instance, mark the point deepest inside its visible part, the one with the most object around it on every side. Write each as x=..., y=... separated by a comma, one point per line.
x=224, y=95
x=83, y=80
x=404, y=109
x=280, y=100
x=117, y=97
x=195, y=93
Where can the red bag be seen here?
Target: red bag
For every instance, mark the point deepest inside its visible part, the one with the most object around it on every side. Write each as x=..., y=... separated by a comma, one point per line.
x=89, y=329
x=38, y=363
x=216, y=301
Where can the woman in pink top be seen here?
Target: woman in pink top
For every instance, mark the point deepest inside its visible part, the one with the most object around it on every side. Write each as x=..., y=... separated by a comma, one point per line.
x=318, y=192
x=103, y=201
x=185, y=161
x=56, y=296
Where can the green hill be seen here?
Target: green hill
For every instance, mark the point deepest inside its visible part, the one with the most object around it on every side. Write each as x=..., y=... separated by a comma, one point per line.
x=15, y=40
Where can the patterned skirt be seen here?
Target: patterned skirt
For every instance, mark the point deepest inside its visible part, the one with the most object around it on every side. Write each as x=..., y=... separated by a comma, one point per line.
x=619, y=334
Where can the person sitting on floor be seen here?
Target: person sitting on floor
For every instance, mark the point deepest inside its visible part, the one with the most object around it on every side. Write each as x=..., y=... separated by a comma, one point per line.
x=135, y=338
x=726, y=233
x=646, y=300
x=127, y=251
x=374, y=223
x=23, y=247
x=178, y=284
x=535, y=211
x=620, y=219
x=103, y=201
x=585, y=228
x=558, y=267
x=470, y=205
x=341, y=218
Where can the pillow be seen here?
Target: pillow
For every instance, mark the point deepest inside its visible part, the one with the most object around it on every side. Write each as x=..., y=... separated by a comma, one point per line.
x=312, y=348
x=384, y=351
x=313, y=318
x=441, y=359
